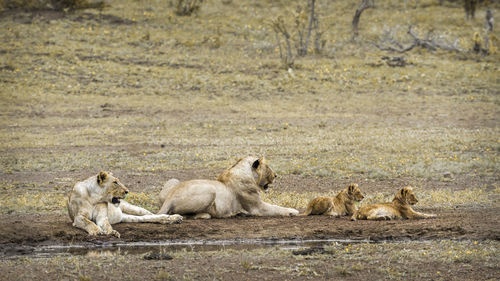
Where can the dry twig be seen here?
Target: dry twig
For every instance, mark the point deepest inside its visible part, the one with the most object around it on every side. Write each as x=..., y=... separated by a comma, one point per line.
x=430, y=42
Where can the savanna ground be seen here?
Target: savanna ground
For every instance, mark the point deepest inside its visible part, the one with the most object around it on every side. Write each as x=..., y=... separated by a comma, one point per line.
x=150, y=95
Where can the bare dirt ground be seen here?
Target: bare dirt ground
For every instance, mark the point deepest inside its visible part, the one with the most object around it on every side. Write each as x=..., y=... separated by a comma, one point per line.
x=473, y=222
x=20, y=235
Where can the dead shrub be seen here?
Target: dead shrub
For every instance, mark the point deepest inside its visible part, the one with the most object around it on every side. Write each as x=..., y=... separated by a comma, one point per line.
x=187, y=7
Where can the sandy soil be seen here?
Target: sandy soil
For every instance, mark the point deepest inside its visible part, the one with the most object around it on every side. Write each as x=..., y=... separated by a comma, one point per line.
x=474, y=224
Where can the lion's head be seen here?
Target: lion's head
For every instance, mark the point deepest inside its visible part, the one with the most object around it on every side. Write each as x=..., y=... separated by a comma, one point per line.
x=354, y=192
x=407, y=196
x=265, y=174
x=248, y=168
x=114, y=189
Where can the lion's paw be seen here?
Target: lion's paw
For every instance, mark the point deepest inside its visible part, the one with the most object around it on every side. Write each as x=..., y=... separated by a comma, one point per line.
x=114, y=233
x=94, y=231
x=168, y=219
x=175, y=218
x=292, y=212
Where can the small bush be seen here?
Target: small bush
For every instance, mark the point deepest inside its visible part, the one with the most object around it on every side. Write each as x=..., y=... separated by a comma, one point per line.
x=187, y=7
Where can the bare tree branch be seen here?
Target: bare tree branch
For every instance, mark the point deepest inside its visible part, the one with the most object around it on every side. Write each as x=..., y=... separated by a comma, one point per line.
x=430, y=42
x=310, y=26
x=280, y=28
x=365, y=4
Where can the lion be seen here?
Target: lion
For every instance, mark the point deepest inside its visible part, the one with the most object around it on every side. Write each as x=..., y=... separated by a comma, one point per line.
x=96, y=203
x=236, y=191
x=399, y=208
x=340, y=205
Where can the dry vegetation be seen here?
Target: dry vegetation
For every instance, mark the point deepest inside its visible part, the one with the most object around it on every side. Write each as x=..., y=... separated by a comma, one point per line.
x=138, y=89
x=95, y=90
x=338, y=261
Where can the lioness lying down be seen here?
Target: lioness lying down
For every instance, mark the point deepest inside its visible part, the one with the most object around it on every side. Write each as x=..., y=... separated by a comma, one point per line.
x=236, y=191
x=399, y=208
x=95, y=204
x=340, y=205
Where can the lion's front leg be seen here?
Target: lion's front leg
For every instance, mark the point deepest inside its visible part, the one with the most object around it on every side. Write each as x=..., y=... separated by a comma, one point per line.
x=133, y=210
x=350, y=210
x=266, y=209
x=418, y=215
x=81, y=221
x=101, y=218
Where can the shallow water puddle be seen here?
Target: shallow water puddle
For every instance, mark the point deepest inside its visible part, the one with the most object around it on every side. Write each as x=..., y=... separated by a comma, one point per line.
x=140, y=248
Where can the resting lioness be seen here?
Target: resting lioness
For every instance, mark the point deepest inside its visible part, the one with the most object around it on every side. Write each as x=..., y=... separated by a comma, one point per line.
x=95, y=204
x=340, y=205
x=236, y=191
x=399, y=208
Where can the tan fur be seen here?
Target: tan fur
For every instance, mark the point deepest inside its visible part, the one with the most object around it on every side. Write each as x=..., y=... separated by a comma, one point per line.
x=236, y=191
x=340, y=205
x=95, y=204
x=399, y=208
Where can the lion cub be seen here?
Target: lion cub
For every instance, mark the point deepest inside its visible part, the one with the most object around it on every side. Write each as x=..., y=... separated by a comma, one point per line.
x=340, y=205
x=399, y=208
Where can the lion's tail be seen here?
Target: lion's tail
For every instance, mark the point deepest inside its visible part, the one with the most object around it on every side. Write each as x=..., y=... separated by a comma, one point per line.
x=307, y=212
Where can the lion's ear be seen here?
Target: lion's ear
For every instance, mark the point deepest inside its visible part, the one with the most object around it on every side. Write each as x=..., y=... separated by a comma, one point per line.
x=351, y=187
x=403, y=192
x=256, y=164
x=101, y=177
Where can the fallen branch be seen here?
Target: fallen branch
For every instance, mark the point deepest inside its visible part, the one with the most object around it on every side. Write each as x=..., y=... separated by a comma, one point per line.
x=430, y=42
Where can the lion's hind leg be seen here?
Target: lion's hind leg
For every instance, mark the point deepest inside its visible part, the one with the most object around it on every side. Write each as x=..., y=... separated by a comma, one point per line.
x=332, y=213
x=163, y=219
x=166, y=188
x=202, y=216
x=380, y=214
x=133, y=210
x=190, y=201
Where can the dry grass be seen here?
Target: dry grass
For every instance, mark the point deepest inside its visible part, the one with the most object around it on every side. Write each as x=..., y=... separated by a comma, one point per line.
x=27, y=202
x=442, y=198
x=136, y=88
x=398, y=261
x=210, y=88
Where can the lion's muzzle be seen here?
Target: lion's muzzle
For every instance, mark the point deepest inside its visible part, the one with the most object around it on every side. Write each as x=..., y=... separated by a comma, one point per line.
x=116, y=199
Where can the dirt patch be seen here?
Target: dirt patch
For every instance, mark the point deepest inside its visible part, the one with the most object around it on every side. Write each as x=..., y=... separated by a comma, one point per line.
x=458, y=245
x=473, y=224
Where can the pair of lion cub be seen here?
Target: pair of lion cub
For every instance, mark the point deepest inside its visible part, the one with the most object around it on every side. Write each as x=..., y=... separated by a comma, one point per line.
x=343, y=205
x=96, y=203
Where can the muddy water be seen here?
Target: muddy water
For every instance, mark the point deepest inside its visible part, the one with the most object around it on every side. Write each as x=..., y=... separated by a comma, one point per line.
x=140, y=248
